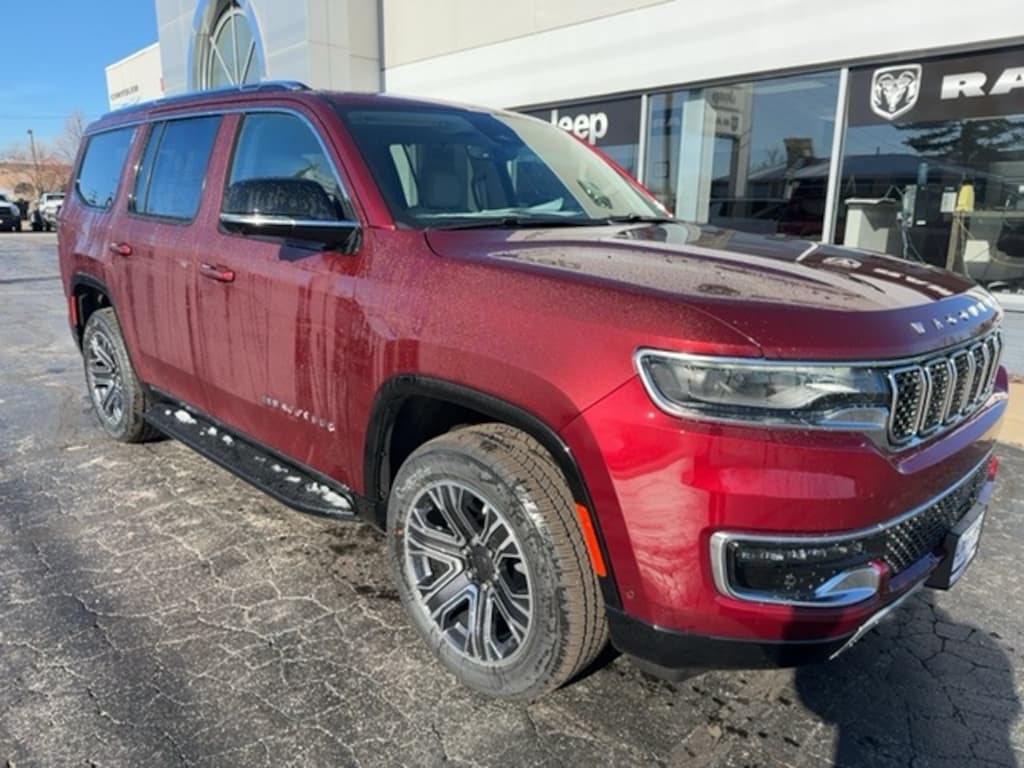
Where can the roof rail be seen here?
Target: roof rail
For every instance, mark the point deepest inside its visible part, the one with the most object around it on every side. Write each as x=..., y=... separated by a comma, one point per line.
x=264, y=85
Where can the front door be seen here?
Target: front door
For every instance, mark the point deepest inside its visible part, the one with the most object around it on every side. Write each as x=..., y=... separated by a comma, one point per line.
x=274, y=317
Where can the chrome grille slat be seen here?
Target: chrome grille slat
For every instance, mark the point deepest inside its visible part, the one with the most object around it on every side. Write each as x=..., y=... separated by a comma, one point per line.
x=980, y=359
x=962, y=365
x=909, y=393
x=943, y=390
x=938, y=374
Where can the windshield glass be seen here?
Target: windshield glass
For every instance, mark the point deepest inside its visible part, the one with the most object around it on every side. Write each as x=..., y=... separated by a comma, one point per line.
x=439, y=167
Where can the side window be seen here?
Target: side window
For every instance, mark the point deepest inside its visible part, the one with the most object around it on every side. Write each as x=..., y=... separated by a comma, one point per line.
x=100, y=172
x=170, y=178
x=278, y=157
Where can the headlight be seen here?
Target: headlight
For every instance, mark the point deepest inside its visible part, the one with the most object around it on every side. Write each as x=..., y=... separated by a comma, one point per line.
x=797, y=394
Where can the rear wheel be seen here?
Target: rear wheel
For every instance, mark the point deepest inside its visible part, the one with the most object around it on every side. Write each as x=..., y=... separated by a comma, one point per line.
x=118, y=397
x=491, y=564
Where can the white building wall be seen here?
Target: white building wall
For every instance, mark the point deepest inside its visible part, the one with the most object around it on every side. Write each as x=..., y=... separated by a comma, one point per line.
x=679, y=41
x=324, y=43
x=135, y=78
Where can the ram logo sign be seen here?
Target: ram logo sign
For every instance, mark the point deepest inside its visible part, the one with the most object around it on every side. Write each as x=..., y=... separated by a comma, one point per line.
x=894, y=90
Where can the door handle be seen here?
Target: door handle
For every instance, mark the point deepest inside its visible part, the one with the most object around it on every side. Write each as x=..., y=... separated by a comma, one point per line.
x=121, y=249
x=215, y=272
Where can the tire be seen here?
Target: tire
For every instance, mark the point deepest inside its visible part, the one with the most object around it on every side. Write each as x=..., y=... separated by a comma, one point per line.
x=118, y=398
x=483, y=517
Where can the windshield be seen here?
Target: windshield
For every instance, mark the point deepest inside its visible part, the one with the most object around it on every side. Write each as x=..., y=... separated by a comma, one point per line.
x=448, y=167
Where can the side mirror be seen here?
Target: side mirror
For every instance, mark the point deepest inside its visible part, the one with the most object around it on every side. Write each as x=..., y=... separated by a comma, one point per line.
x=294, y=209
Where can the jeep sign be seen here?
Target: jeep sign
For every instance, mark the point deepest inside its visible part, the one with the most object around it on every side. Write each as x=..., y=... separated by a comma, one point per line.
x=950, y=88
x=599, y=123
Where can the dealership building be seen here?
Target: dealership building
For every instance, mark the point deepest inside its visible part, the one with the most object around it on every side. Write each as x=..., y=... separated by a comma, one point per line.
x=898, y=127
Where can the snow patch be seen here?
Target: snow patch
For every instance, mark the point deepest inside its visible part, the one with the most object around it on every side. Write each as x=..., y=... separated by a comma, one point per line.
x=211, y=431
x=325, y=493
x=278, y=468
x=293, y=479
x=228, y=440
x=184, y=416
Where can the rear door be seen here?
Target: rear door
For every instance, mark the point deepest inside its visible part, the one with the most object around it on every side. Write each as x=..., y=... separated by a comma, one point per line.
x=155, y=246
x=275, y=318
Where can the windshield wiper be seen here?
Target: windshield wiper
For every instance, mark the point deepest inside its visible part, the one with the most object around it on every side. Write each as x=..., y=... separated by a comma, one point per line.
x=636, y=218
x=514, y=222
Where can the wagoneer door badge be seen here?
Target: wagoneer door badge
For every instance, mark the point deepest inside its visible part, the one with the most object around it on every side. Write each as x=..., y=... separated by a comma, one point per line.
x=299, y=413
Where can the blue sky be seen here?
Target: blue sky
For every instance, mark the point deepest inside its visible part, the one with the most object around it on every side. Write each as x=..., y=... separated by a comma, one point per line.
x=54, y=54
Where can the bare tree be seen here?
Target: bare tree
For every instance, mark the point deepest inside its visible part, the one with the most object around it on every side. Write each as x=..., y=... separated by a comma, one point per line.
x=44, y=171
x=66, y=145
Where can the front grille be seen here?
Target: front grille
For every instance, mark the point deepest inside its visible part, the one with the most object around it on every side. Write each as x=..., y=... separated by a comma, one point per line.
x=913, y=538
x=942, y=390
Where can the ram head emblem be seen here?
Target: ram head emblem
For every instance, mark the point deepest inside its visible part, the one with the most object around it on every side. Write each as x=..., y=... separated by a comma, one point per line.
x=894, y=90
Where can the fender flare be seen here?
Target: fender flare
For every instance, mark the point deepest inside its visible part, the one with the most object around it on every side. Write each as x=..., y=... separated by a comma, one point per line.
x=394, y=392
x=84, y=278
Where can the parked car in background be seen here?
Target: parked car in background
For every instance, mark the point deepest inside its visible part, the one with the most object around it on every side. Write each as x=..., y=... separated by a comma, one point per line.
x=10, y=214
x=575, y=417
x=47, y=209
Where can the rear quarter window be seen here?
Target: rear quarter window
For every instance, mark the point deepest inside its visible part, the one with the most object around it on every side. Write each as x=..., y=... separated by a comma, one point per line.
x=102, y=166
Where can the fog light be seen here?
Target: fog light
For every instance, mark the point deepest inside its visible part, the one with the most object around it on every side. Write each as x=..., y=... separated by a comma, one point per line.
x=794, y=571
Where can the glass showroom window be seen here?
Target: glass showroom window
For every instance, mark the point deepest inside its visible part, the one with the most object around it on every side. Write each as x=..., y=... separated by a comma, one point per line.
x=933, y=163
x=752, y=156
x=231, y=55
x=613, y=126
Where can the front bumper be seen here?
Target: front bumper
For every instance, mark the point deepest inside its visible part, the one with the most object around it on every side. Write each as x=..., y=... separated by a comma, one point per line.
x=673, y=655
x=662, y=487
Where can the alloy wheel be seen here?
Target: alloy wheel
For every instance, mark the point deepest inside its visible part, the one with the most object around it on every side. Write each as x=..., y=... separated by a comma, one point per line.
x=106, y=385
x=468, y=573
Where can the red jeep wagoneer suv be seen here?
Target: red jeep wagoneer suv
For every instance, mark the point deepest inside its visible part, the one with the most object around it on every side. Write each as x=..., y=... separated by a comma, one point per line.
x=577, y=418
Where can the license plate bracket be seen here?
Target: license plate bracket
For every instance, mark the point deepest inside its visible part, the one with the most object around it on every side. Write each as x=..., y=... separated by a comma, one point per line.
x=961, y=545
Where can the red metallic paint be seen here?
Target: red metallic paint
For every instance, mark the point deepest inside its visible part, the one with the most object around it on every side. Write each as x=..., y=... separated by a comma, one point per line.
x=662, y=486
x=547, y=321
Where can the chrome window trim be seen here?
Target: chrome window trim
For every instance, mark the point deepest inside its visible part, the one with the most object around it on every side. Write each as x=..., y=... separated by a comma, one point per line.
x=259, y=219
x=720, y=541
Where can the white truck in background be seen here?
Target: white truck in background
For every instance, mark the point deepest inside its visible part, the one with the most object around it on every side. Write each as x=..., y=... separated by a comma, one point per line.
x=44, y=217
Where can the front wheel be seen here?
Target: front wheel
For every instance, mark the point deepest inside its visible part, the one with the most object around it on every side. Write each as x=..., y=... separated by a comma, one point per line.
x=491, y=564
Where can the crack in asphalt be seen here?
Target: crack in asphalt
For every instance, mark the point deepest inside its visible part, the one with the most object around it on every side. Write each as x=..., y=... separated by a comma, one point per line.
x=156, y=611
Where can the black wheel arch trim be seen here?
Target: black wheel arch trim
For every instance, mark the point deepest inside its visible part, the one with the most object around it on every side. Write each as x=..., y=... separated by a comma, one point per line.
x=84, y=278
x=393, y=394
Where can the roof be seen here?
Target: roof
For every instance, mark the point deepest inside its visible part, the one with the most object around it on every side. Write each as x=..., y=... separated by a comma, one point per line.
x=225, y=97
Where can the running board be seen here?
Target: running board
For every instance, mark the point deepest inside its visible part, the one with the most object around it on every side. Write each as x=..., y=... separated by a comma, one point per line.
x=297, y=488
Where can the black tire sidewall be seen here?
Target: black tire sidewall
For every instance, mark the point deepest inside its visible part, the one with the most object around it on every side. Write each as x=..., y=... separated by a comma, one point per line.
x=533, y=666
x=130, y=424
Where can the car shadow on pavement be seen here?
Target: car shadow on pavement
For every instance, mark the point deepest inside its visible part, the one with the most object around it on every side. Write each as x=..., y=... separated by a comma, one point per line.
x=919, y=690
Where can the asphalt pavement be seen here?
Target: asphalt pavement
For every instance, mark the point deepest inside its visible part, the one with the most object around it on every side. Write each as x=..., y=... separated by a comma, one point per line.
x=155, y=611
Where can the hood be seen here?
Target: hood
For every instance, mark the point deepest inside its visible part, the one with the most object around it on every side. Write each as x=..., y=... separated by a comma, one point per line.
x=793, y=298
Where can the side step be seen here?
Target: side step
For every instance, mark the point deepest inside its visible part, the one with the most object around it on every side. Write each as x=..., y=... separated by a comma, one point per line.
x=297, y=488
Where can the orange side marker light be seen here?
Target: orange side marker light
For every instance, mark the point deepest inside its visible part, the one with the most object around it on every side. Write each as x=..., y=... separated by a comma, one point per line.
x=590, y=537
